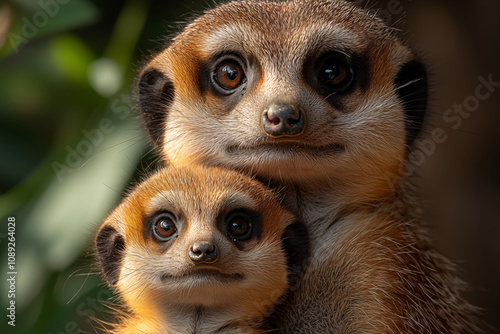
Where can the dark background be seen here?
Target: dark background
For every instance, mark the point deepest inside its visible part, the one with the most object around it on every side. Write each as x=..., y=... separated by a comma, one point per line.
x=71, y=142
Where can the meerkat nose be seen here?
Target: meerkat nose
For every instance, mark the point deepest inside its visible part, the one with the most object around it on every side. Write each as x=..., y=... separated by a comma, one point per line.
x=203, y=252
x=283, y=121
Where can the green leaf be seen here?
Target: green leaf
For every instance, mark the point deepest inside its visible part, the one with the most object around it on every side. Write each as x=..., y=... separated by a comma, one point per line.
x=52, y=16
x=72, y=57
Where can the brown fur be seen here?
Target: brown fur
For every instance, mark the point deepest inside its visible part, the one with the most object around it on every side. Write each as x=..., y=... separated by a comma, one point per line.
x=199, y=198
x=372, y=267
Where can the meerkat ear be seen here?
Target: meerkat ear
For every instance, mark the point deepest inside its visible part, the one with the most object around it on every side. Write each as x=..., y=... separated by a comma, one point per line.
x=110, y=247
x=156, y=93
x=295, y=243
x=412, y=89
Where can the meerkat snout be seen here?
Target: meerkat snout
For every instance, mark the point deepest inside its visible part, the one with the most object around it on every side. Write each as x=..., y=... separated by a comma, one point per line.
x=283, y=120
x=203, y=252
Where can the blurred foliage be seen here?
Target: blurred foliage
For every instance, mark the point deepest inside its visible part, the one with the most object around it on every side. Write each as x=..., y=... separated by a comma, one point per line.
x=71, y=143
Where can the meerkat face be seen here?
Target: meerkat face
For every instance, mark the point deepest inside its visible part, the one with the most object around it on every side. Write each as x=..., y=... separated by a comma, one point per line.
x=201, y=237
x=290, y=90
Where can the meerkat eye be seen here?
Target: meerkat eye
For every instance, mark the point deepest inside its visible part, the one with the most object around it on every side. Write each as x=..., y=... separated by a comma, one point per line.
x=229, y=75
x=336, y=73
x=164, y=227
x=239, y=225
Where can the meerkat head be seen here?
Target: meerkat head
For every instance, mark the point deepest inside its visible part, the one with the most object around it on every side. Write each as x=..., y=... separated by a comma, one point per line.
x=295, y=90
x=201, y=237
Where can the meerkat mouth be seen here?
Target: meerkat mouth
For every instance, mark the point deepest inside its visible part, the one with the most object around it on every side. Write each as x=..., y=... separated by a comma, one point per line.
x=287, y=148
x=204, y=275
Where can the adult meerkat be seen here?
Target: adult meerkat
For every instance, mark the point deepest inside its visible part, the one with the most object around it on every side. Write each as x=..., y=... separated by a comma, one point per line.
x=200, y=251
x=323, y=100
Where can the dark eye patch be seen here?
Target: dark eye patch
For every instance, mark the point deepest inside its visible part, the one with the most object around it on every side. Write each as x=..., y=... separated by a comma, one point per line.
x=162, y=227
x=335, y=74
x=240, y=225
x=229, y=75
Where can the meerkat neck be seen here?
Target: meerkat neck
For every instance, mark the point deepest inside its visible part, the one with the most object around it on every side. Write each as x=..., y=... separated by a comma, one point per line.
x=309, y=199
x=192, y=319
x=321, y=207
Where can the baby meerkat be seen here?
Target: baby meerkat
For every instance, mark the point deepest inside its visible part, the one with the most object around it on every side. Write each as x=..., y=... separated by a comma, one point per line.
x=200, y=251
x=321, y=99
